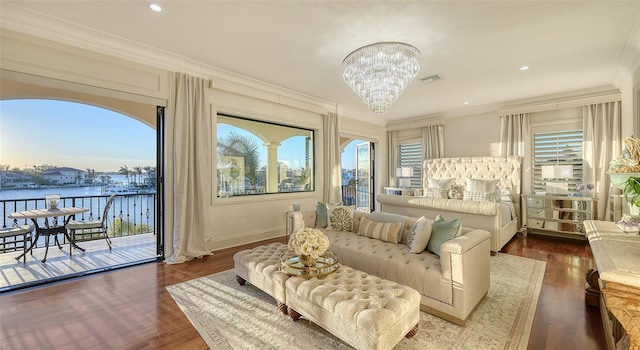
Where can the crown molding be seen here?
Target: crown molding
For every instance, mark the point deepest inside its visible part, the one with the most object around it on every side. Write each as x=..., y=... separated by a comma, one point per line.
x=569, y=99
x=629, y=61
x=563, y=100
x=21, y=20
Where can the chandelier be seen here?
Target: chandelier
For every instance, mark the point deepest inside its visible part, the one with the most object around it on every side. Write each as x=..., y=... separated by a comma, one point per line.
x=379, y=72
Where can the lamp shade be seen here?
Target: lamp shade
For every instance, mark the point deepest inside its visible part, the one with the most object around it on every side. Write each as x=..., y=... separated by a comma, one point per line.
x=404, y=172
x=557, y=171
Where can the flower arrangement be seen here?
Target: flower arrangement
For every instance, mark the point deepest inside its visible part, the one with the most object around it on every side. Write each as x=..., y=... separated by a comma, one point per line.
x=310, y=242
x=629, y=161
x=629, y=224
x=582, y=187
x=624, y=172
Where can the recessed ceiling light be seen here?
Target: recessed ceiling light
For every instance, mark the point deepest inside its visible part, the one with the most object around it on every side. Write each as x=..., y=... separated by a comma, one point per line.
x=466, y=102
x=524, y=67
x=155, y=7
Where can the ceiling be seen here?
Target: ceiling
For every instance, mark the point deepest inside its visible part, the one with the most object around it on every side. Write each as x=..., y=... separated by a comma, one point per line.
x=477, y=47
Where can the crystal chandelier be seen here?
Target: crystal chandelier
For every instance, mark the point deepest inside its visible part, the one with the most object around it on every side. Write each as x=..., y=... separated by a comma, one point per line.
x=379, y=72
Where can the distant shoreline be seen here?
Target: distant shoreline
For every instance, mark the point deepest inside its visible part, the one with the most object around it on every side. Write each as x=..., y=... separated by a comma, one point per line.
x=47, y=187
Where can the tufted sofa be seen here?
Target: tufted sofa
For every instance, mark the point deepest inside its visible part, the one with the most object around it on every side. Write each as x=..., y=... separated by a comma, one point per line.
x=489, y=216
x=450, y=285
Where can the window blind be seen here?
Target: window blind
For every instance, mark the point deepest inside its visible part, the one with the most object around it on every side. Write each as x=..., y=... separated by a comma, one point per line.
x=561, y=147
x=410, y=156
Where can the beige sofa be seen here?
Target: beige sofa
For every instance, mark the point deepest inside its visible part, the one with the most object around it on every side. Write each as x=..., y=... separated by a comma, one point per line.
x=450, y=285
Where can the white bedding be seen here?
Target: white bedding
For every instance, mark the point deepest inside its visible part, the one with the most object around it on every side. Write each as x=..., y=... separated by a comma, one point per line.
x=507, y=211
x=499, y=218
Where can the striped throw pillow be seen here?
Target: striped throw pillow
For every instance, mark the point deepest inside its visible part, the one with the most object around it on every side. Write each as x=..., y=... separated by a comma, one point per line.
x=480, y=196
x=388, y=232
x=436, y=193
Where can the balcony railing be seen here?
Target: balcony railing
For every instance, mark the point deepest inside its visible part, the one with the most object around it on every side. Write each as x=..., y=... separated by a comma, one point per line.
x=349, y=195
x=130, y=214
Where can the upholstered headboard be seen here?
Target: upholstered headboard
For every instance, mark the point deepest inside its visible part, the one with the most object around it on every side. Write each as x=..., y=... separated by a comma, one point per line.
x=504, y=169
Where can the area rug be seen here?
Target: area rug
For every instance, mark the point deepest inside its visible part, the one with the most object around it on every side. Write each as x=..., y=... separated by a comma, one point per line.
x=230, y=316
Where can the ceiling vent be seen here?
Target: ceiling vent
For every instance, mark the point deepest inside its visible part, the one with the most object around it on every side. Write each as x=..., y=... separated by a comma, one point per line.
x=430, y=79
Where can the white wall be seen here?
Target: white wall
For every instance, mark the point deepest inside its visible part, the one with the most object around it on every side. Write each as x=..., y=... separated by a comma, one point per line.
x=243, y=219
x=473, y=135
x=630, y=90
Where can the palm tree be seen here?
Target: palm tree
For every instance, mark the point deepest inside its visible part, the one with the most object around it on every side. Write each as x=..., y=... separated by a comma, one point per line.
x=91, y=175
x=137, y=172
x=237, y=145
x=150, y=170
x=124, y=170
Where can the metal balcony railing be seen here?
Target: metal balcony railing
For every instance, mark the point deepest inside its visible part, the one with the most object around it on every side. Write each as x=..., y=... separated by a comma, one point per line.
x=349, y=195
x=130, y=214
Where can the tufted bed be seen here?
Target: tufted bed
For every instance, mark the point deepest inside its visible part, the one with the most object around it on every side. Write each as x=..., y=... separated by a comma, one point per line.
x=499, y=217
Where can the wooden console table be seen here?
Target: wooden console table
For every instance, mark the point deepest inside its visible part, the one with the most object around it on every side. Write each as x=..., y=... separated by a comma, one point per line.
x=617, y=258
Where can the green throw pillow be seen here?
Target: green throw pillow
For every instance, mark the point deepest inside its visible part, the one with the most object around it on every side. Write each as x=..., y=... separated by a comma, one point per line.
x=322, y=214
x=442, y=231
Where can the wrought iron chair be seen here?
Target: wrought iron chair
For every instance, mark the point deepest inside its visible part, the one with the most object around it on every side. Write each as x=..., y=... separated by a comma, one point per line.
x=91, y=228
x=13, y=238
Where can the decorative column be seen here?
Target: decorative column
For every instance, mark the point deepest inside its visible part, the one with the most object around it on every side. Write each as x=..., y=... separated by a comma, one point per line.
x=272, y=166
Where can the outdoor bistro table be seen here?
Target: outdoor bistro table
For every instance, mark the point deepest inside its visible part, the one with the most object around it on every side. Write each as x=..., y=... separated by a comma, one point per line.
x=49, y=230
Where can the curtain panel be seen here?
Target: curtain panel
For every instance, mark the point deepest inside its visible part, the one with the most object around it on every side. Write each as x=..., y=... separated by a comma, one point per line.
x=188, y=170
x=392, y=144
x=602, y=142
x=433, y=142
x=514, y=132
x=332, y=179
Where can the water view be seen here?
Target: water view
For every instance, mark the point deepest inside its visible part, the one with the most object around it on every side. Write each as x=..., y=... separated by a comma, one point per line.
x=84, y=154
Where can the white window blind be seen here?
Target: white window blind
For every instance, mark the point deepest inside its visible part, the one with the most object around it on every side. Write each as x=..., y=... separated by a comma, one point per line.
x=562, y=147
x=410, y=156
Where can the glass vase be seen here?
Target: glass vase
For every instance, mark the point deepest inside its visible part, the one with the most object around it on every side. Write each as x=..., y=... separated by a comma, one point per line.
x=307, y=260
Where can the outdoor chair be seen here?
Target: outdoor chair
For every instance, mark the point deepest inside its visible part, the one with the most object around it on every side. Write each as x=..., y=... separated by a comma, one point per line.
x=91, y=228
x=13, y=238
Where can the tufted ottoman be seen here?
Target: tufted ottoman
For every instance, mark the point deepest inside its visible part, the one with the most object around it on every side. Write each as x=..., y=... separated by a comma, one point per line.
x=259, y=266
x=363, y=310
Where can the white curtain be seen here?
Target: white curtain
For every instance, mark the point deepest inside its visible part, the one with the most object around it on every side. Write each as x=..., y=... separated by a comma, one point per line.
x=433, y=142
x=392, y=144
x=188, y=171
x=602, y=141
x=514, y=130
x=332, y=178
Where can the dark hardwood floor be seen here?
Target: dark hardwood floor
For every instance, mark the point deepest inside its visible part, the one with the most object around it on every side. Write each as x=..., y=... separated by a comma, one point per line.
x=562, y=320
x=131, y=309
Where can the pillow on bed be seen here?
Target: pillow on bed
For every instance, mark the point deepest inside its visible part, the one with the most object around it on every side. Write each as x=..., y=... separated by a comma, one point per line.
x=384, y=231
x=478, y=185
x=440, y=183
x=504, y=194
x=456, y=192
x=480, y=196
x=436, y=192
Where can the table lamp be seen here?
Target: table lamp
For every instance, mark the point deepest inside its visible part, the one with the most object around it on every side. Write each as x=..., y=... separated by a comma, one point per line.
x=402, y=174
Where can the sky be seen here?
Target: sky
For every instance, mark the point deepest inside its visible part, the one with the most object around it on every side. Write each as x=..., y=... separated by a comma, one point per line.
x=67, y=134
x=289, y=151
x=348, y=157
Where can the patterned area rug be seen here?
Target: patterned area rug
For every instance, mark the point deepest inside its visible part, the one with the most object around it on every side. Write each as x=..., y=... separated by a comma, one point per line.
x=230, y=316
